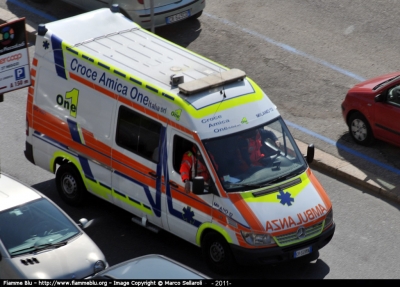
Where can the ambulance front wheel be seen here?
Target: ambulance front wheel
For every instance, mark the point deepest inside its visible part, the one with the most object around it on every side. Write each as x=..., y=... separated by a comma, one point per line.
x=217, y=253
x=70, y=185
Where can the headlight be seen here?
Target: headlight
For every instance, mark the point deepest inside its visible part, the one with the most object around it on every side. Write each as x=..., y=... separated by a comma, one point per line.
x=329, y=218
x=257, y=239
x=99, y=265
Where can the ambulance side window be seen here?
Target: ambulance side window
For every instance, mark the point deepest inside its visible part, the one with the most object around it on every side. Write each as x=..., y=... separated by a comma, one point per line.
x=181, y=146
x=137, y=133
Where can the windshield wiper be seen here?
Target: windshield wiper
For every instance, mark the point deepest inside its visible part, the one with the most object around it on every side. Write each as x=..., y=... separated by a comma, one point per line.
x=284, y=177
x=245, y=184
x=39, y=247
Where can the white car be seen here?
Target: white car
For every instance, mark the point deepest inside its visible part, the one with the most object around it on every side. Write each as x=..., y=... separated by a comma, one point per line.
x=152, y=266
x=165, y=11
x=40, y=241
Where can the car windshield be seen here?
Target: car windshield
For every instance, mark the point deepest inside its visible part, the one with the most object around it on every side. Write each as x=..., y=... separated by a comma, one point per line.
x=34, y=226
x=256, y=157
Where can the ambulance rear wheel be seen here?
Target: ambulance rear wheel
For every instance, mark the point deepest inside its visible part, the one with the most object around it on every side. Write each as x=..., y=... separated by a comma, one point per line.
x=217, y=253
x=70, y=185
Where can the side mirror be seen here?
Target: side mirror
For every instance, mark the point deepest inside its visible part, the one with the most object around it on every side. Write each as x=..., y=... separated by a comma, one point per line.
x=198, y=185
x=83, y=223
x=378, y=98
x=310, y=153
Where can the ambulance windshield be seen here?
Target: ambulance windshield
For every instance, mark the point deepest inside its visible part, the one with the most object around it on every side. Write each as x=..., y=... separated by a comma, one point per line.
x=256, y=157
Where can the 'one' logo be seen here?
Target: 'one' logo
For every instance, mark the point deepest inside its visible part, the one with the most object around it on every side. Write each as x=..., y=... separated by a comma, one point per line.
x=176, y=114
x=69, y=102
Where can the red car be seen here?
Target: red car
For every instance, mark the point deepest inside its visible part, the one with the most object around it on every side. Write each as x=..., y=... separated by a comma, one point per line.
x=371, y=110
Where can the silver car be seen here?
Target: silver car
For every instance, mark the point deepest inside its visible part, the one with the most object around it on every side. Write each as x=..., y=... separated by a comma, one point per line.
x=39, y=241
x=165, y=11
x=152, y=266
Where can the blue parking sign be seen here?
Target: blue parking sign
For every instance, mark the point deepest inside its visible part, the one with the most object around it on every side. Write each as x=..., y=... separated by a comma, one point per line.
x=19, y=73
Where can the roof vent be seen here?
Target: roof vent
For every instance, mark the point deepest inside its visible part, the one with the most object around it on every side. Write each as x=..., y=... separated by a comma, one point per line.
x=212, y=81
x=176, y=79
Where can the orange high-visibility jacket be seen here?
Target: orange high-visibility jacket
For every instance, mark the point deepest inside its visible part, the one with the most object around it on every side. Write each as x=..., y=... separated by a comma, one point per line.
x=187, y=169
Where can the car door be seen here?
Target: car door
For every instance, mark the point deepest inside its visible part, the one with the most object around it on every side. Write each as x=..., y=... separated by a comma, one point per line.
x=387, y=114
x=185, y=211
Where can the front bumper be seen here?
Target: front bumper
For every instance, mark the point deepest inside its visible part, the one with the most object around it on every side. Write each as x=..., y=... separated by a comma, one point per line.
x=245, y=256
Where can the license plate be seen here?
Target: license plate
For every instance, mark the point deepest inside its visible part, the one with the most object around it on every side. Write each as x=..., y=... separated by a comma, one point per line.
x=303, y=252
x=178, y=17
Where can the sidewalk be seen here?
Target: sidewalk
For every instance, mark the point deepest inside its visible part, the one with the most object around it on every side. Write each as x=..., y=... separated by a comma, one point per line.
x=322, y=161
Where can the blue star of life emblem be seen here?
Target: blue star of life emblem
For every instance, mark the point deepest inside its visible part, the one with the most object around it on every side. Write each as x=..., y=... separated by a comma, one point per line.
x=46, y=44
x=285, y=198
x=188, y=215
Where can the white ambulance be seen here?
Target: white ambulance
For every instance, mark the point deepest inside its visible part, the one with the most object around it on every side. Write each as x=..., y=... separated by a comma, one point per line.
x=113, y=108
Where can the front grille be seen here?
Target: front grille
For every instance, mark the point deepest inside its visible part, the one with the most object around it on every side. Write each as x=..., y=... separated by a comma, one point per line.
x=291, y=238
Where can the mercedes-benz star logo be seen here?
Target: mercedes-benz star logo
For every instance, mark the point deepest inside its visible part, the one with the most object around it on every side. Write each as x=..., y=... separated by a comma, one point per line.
x=301, y=233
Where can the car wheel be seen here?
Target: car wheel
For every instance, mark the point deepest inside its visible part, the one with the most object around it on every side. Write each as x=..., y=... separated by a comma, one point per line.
x=197, y=15
x=217, y=253
x=70, y=185
x=360, y=130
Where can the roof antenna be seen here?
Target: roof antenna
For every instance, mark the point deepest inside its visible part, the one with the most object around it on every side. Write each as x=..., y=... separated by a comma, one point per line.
x=222, y=92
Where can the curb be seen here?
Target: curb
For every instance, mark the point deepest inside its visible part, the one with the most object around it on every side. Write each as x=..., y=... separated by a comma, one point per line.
x=322, y=161
x=343, y=169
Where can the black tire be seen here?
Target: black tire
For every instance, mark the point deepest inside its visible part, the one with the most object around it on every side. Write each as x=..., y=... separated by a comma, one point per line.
x=70, y=185
x=218, y=254
x=360, y=130
x=197, y=15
